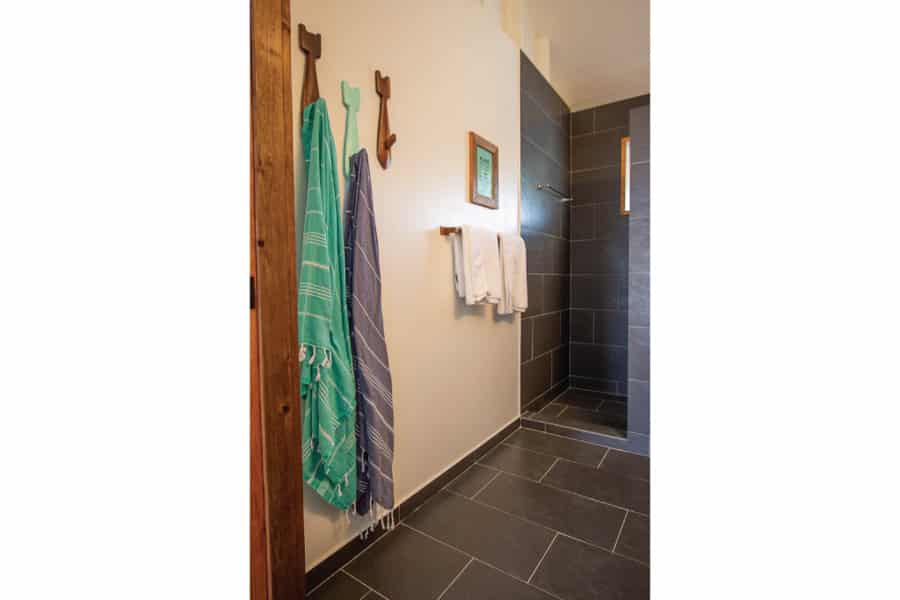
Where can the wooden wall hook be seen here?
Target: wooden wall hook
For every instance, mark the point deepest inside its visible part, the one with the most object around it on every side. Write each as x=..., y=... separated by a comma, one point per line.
x=386, y=139
x=311, y=44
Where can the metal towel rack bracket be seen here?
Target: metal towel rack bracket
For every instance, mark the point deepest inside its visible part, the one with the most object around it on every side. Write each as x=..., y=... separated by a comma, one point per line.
x=550, y=188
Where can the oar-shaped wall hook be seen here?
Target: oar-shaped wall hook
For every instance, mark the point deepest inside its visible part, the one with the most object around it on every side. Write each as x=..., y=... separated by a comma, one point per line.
x=350, y=97
x=311, y=44
x=386, y=139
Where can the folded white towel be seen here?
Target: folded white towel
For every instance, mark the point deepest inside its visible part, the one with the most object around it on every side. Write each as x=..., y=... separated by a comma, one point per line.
x=481, y=266
x=515, y=279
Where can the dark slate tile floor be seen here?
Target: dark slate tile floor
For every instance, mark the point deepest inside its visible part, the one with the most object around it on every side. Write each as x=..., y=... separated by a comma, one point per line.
x=540, y=517
x=594, y=412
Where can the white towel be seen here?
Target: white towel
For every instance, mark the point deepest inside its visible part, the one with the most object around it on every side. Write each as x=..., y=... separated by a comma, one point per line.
x=481, y=266
x=459, y=270
x=515, y=279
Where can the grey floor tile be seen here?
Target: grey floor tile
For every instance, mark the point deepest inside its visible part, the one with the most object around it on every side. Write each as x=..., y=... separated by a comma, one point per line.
x=506, y=542
x=406, y=564
x=471, y=480
x=628, y=464
x=339, y=587
x=583, y=398
x=590, y=420
x=573, y=450
x=634, y=541
x=592, y=521
x=551, y=410
x=481, y=582
x=573, y=570
x=601, y=484
x=518, y=461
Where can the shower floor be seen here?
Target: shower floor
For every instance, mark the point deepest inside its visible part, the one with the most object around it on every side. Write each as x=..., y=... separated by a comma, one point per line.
x=587, y=411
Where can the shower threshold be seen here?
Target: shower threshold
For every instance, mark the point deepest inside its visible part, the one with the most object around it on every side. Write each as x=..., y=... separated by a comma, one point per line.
x=582, y=414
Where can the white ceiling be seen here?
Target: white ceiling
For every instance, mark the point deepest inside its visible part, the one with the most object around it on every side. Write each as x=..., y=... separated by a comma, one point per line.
x=599, y=49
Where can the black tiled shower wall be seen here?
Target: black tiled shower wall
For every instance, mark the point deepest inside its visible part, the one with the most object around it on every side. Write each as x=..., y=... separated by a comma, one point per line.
x=599, y=296
x=546, y=230
x=639, y=275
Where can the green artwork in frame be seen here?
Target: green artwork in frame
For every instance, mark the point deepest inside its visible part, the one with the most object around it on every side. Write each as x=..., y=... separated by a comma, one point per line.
x=484, y=162
x=483, y=167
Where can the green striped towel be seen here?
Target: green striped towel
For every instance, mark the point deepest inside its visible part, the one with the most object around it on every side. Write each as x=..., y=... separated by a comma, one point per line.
x=327, y=386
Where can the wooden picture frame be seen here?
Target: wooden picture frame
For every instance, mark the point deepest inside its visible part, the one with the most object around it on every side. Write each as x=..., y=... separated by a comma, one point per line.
x=483, y=159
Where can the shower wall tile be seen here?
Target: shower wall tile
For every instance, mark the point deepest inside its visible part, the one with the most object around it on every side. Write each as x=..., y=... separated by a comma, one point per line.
x=639, y=245
x=639, y=334
x=639, y=406
x=583, y=222
x=560, y=364
x=599, y=291
x=547, y=333
x=600, y=248
x=596, y=185
x=639, y=353
x=639, y=299
x=546, y=226
x=527, y=330
x=535, y=378
x=617, y=113
x=565, y=215
x=611, y=327
x=599, y=362
x=640, y=191
x=583, y=121
x=600, y=257
x=582, y=326
x=535, y=295
x=556, y=292
x=534, y=84
x=639, y=125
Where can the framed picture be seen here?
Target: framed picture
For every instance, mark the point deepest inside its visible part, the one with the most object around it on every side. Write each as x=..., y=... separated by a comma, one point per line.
x=483, y=159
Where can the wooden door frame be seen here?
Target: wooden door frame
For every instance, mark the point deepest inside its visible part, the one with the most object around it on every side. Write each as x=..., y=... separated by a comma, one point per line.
x=277, y=560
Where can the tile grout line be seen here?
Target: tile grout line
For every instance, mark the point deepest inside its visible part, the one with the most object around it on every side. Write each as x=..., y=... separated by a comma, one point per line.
x=574, y=440
x=621, y=528
x=496, y=568
x=363, y=551
x=530, y=521
x=324, y=581
x=482, y=488
x=552, y=455
x=358, y=580
x=543, y=556
x=458, y=575
x=620, y=439
x=605, y=454
x=550, y=485
x=550, y=468
x=490, y=566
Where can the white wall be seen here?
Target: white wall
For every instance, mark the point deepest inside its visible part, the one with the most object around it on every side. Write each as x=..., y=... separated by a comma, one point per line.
x=455, y=368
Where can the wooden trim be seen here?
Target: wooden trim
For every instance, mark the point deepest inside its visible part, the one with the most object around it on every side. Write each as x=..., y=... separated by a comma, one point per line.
x=259, y=569
x=623, y=173
x=276, y=286
x=476, y=140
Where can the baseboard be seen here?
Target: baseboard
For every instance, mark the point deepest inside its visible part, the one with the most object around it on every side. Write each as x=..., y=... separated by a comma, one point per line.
x=332, y=563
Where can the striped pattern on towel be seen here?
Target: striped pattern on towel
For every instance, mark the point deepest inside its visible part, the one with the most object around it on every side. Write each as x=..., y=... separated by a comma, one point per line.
x=327, y=384
x=374, y=401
